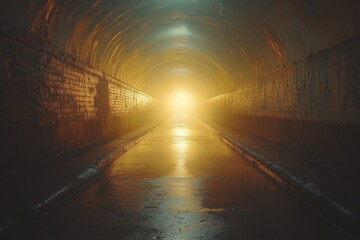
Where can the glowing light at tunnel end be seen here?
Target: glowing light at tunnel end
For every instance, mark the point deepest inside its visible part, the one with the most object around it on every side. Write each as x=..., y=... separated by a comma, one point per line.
x=181, y=102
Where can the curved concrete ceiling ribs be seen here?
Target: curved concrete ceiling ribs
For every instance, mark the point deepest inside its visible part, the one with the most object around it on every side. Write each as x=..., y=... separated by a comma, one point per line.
x=218, y=44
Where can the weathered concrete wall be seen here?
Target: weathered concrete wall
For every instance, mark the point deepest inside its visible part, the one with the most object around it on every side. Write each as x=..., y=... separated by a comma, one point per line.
x=313, y=104
x=52, y=103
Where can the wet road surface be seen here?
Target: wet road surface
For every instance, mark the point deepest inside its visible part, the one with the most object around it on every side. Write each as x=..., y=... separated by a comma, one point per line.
x=181, y=182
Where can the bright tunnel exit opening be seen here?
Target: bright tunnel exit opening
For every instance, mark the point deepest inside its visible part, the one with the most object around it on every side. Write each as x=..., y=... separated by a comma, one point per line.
x=181, y=102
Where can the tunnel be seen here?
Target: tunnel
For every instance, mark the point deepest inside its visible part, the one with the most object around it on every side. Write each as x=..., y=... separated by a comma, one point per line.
x=180, y=119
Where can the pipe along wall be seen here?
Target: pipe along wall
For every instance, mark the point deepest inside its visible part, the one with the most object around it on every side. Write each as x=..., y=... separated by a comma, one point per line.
x=53, y=104
x=312, y=105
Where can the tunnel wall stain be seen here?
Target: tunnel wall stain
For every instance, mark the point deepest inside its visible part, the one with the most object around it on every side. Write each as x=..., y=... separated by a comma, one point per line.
x=52, y=103
x=312, y=105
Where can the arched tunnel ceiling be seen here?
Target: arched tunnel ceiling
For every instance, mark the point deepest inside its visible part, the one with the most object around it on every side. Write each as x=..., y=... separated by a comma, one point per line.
x=211, y=45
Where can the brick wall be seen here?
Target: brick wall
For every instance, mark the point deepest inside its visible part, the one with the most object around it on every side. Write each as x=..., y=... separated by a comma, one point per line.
x=313, y=104
x=52, y=103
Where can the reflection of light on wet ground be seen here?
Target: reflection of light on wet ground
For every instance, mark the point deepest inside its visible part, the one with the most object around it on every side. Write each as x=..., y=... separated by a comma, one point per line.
x=175, y=209
x=181, y=183
x=180, y=131
x=180, y=170
x=180, y=140
x=174, y=206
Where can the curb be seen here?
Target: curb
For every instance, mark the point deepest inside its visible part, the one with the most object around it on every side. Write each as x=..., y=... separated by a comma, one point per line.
x=341, y=217
x=80, y=181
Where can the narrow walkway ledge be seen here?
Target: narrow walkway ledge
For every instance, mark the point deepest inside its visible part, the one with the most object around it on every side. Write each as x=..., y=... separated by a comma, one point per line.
x=51, y=186
x=303, y=188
